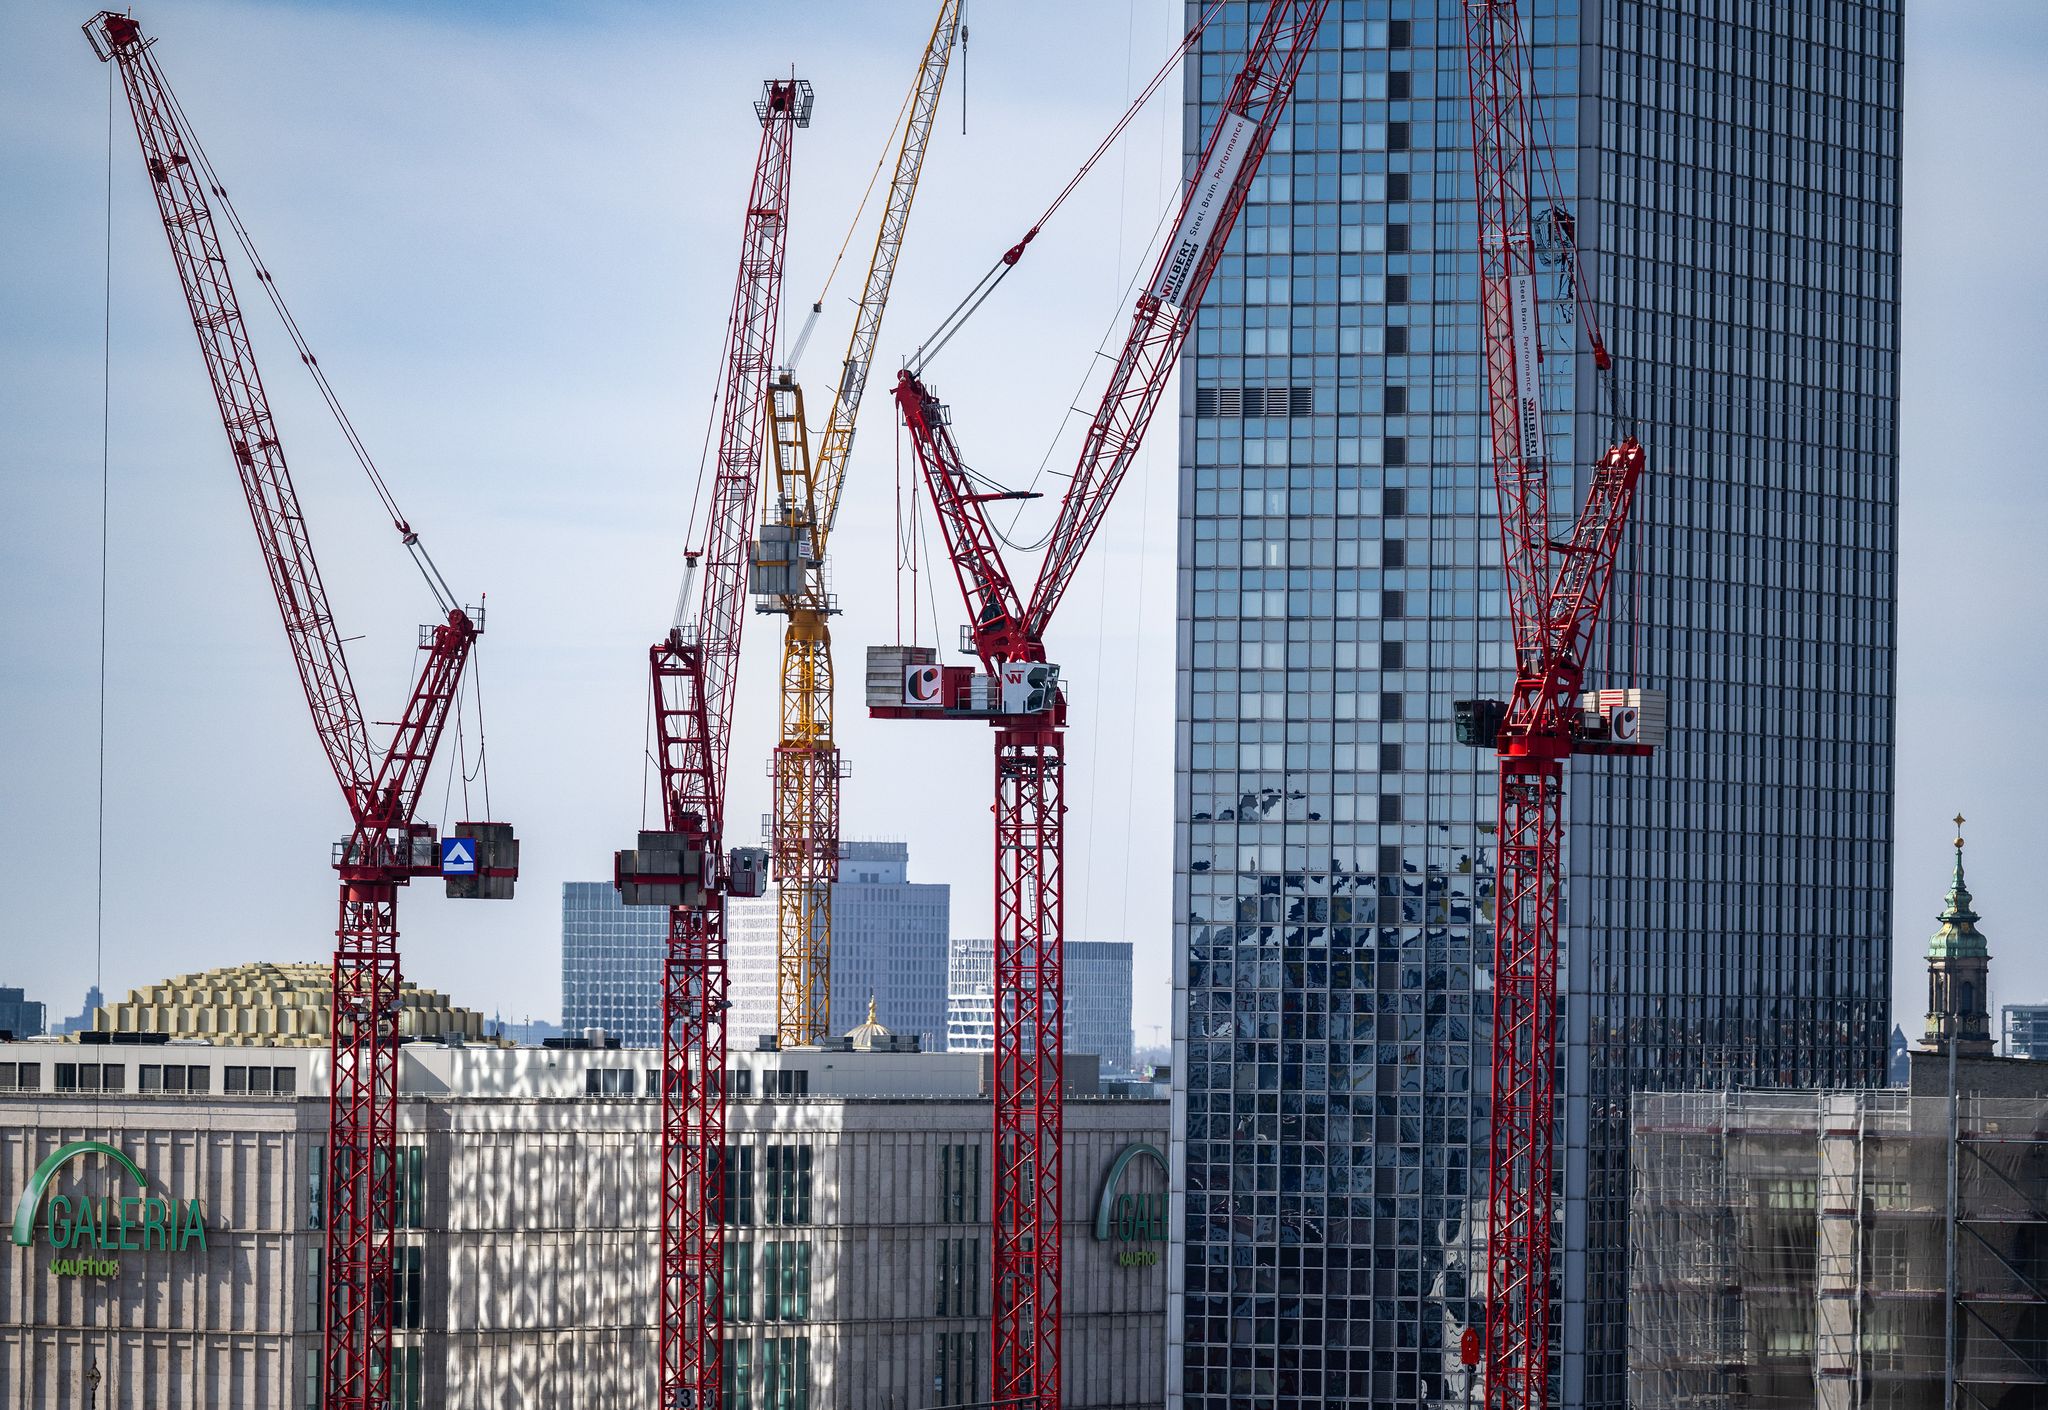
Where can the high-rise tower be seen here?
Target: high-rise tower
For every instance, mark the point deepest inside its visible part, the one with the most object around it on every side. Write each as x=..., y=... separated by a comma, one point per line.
x=1733, y=174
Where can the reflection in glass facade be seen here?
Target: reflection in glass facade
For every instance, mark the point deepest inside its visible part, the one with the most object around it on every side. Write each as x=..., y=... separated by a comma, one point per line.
x=1733, y=168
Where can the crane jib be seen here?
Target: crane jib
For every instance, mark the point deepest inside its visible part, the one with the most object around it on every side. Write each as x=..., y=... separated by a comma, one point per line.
x=1207, y=199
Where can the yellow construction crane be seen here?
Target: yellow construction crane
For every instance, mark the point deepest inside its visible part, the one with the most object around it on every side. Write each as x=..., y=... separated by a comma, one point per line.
x=789, y=578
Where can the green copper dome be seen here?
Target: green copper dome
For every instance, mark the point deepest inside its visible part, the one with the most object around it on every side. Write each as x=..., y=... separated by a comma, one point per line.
x=1958, y=937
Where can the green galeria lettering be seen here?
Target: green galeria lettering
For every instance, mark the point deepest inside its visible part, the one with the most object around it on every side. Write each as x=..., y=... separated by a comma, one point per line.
x=132, y=1222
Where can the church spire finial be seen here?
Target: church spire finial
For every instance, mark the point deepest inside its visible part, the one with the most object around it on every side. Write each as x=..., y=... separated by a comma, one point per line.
x=1958, y=971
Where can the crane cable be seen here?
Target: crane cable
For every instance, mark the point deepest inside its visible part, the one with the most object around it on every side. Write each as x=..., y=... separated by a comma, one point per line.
x=436, y=584
x=444, y=595
x=1000, y=270
x=846, y=242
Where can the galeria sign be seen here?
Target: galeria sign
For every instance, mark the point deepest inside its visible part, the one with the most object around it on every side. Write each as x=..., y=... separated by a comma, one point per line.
x=1137, y=1222
x=85, y=1233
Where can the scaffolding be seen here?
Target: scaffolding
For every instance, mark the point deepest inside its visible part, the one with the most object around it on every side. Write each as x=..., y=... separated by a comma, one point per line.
x=1792, y=1249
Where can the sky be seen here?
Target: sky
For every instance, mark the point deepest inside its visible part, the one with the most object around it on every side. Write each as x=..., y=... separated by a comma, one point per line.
x=509, y=232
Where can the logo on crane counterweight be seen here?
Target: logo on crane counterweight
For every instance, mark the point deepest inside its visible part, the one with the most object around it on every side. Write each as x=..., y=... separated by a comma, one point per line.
x=458, y=856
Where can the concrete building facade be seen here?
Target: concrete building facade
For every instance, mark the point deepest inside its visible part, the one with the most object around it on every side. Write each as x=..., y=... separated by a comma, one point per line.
x=1733, y=174
x=857, y=1257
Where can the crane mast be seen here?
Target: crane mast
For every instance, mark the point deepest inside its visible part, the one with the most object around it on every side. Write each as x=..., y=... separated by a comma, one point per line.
x=1020, y=697
x=693, y=672
x=789, y=578
x=1555, y=588
x=386, y=848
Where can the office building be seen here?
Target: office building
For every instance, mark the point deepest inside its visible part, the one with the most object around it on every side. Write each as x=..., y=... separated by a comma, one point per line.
x=2025, y=1030
x=83, y=1018
x=21, y=1016
x=1097, y=1000
x=857, y=1258
x=611, y=963
x=888, y=944
x=1733, y=173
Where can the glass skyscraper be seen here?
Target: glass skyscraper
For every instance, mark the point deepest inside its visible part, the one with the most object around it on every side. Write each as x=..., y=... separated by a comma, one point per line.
x=611, y=964
x=1733, y=171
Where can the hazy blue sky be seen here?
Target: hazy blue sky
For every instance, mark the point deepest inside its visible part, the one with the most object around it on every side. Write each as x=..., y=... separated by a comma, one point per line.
x=510, y=231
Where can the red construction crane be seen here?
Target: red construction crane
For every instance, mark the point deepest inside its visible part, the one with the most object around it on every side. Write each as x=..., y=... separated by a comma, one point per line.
x=1019, y=696
x=1554, y=591
x=694, y=670
x=386, y=847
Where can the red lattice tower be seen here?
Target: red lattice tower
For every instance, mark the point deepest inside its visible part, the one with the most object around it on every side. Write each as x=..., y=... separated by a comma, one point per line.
x=693, y=674
x=1019, y=697
x=386, y=847
x=1555, y=587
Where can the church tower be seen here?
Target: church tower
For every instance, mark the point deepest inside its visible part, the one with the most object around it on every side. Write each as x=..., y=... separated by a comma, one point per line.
x=1958, y=974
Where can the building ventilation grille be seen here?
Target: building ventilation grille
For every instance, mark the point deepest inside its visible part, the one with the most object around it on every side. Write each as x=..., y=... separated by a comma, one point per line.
x=1235, y=402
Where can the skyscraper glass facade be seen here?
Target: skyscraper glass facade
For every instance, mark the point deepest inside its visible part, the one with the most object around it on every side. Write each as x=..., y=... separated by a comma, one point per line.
x=611, y=964
x=1733, y=171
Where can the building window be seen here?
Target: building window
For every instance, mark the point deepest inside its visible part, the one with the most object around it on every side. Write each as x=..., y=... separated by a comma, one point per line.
x=1789, y=1193
x=737, y=1376
x=953, y=1375
x=259, y=1081
x=786, y=1379
x=1889, y=1194
x=1884, y=1337
x=608, y=1082
x=198, y=1080
x=739, y=1281
x=960, y=1184
x=786, y=1280
x=959, y=1281
x=412, y=1187
x=1887, y=1253
x=284, y=1080
x=1793, y=1341
x=148, y=1078
x=316, y=1176
x=789, y=1184
x=234, y=1081
x=408, y=1287
x=739, y=1185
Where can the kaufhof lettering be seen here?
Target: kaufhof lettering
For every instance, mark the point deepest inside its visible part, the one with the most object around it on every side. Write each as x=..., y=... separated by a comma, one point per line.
x=84, y=1230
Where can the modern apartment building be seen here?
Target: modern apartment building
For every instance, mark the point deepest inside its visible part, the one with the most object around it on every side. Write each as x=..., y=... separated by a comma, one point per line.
x=2025, y=1030
x=1097, y=1000
x=889, y=938
x=1733, y=171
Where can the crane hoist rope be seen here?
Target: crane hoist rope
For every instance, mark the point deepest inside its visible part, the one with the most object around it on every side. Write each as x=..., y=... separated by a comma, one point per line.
x=975, y=297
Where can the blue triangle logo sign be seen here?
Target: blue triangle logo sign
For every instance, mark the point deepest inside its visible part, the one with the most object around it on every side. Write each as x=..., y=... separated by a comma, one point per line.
x=458, y=856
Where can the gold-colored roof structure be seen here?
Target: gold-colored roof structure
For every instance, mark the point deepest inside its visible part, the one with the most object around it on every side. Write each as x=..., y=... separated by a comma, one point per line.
x=279, y=1005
